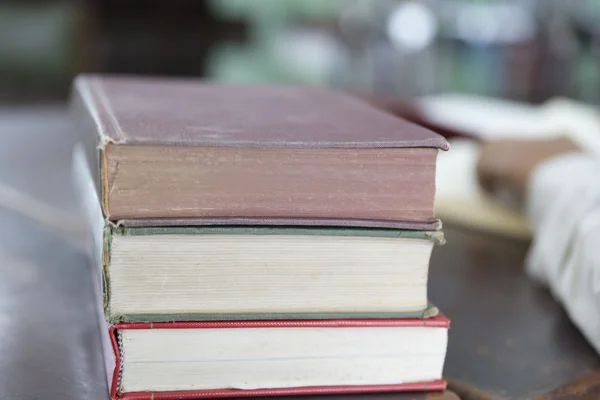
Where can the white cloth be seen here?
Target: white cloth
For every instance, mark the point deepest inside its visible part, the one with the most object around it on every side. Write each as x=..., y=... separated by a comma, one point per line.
x=564, y=211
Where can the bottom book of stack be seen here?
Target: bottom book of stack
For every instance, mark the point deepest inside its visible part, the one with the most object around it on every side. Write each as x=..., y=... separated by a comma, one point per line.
x=218, y=359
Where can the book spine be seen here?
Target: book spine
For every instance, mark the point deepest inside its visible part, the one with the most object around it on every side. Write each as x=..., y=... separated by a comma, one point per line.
x=117, y=371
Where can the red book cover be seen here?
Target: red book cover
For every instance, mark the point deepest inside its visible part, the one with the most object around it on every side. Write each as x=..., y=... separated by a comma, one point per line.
x=440, y=322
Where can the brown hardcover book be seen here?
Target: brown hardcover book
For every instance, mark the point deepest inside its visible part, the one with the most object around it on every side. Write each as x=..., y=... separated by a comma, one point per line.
x=200, y=152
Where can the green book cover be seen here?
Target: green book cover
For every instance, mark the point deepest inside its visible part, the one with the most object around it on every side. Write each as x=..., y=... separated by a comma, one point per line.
x=110, y=231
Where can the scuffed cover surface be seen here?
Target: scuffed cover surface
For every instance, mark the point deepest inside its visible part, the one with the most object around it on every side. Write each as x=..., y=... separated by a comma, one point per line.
x=186, y=112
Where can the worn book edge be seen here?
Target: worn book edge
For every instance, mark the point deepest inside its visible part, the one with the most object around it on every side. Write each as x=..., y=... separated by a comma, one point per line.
x=95, y=100
x=91, y=89
x=430, y=311
x=432, y=225
x=435, y=236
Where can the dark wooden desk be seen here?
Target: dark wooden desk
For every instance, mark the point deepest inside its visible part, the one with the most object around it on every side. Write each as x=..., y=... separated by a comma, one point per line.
x=508, y=338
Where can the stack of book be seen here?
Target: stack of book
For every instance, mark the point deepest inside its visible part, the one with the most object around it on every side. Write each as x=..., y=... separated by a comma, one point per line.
x=259, y=240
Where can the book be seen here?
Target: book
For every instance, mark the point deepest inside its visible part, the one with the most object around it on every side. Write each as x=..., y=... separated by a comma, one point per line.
x=207, y=273
x=199, y=152
x=267, y=358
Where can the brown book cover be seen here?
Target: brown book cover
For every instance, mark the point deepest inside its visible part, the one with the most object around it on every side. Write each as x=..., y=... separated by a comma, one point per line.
x=193, y=151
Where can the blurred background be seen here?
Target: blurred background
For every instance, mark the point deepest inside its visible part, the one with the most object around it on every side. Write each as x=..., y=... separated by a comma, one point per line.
x=526, y=50
x=486, y=67
x=470, y=68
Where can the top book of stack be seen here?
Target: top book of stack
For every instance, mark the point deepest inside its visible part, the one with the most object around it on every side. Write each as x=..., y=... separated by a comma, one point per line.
x=188, y=152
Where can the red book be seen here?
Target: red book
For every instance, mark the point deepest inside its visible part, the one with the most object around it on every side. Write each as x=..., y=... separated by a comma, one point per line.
x=219, y=359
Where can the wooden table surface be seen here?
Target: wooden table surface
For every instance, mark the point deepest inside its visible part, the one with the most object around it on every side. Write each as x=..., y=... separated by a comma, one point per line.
x=509, y=338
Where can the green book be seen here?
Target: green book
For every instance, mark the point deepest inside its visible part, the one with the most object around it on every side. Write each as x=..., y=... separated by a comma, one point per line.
x=153, y=274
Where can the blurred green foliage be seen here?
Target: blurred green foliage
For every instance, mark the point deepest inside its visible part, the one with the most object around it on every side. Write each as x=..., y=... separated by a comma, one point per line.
x=37, y=42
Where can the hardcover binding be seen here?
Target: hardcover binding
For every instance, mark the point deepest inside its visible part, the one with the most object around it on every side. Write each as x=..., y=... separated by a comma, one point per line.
x=434, y=225
x=439, y=321
x=439, y=385
x=429, y=312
